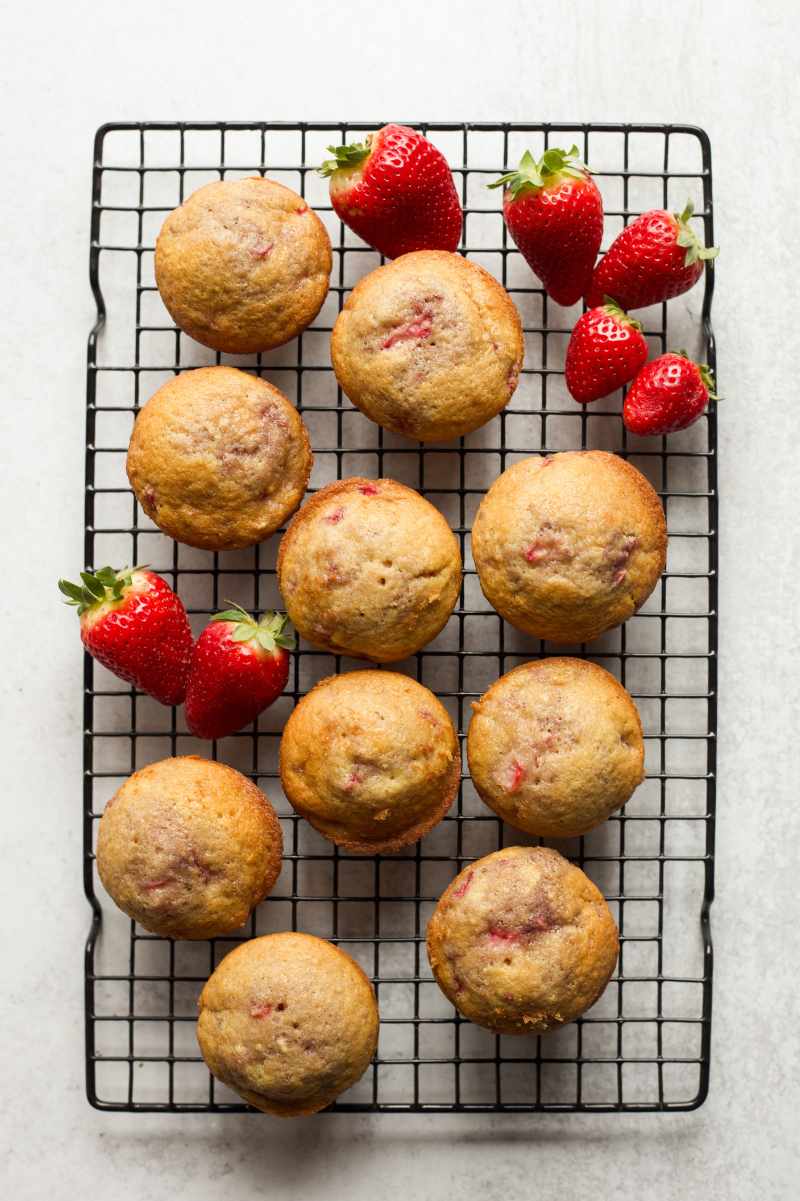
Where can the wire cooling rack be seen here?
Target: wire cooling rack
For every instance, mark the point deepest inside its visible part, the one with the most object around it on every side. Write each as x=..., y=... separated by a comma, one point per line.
x=645, y=1044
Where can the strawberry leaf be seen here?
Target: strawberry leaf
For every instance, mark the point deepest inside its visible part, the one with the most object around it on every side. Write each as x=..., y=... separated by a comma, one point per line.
x=265, y=639
x=687, y=239
x=73, y=593
x=344, y=156
x=93, y=586
x=531, y=175
x=243, y=632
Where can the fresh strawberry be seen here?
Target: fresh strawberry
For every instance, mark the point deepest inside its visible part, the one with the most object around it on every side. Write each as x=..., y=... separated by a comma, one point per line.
x=554, y=212
x=136, y=626
x=606, y=350
x=656, y=257
x=239, y=667
x=395, y=190
x=668, y=394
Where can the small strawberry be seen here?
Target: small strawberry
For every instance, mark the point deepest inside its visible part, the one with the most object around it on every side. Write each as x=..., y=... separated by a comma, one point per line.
x=656, y=257
x=239, y=667
x=606, y=350
x=554, y=212
x=136, y=626
x=395, y=190
x=668, y=394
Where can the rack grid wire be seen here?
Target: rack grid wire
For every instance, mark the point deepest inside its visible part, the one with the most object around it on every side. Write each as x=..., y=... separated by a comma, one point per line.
x=645, y=1044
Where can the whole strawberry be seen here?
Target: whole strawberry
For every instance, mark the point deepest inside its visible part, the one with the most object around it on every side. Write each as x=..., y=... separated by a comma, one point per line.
x=554, y=212
x=396, y=191
x=656, y=257
x=239, y=667
x=136, y=626
x=668, y=394
x=606, y=350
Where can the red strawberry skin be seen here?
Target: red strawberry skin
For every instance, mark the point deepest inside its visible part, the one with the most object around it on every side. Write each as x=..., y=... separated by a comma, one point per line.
x=605, y=351
x=144, y=638
x=231, y=682
x=558, y=230
x=400, y=196
x=668, y=394
x=645, y=264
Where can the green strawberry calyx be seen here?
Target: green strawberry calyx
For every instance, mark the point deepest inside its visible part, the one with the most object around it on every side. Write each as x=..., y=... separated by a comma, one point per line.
x=270, y=632
x=533, y=175
x=345, y=156
x=706, y=374
x=100, y=587
x=687, y=237
x=616, y=311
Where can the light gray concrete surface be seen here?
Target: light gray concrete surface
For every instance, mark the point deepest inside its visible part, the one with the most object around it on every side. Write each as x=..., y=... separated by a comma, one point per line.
x=731, y=67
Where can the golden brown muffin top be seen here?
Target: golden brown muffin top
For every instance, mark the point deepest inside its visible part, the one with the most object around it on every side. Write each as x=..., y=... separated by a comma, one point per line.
x=555, y=746
x=570, y=545
x=371, y=759
x=243, y=264
x=289, y=1021
x=187, y=847
x=369, y=568
x=522, y=941
x=219, y=458
x=429, y=346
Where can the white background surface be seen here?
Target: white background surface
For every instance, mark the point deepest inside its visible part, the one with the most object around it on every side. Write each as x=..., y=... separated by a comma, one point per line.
x=731, y=67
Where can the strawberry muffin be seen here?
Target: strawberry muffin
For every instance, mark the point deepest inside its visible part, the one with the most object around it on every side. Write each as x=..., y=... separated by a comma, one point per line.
x=429, y=346
x=243, y=265
x=219, y=458
x=369, y=568
x=522, y=942
x=188, y=847
x=371, y=760
x=569, y=546
x=289, y=1022
x=555, y=746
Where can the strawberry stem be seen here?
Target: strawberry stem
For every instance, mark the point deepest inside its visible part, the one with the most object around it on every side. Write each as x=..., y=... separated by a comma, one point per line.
x=614, y=310
x=98, y=587
x=269, y=632
x=687, y=237
x=345, y=156
x=532, y=175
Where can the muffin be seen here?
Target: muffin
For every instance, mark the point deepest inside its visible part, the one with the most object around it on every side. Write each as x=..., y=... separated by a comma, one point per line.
x=371, y=760
x=567, y=547
x=369, y=568
x=187, y=847
x=555, y=747
x=219, y=458
x=429, y=346
x=243, y=265
x=522, y=941
x=289, y=1022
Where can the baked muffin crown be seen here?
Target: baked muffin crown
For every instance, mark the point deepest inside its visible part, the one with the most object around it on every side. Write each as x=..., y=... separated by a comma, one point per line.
x=243, y=264
x=555, y=746
x=371, y=760
x=429, y=345
x=188, y=847
x=522, y=941
x=219, y=458
x=369, y=568
x=569, y=546
x=289, y=1021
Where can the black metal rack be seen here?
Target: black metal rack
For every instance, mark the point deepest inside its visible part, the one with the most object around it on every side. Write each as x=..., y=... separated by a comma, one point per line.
x=645, y=1044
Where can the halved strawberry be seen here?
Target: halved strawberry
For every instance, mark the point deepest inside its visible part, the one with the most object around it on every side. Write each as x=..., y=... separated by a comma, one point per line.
x=396, y=191
x=136, y=626
x=554, y=212
x=239, y=667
